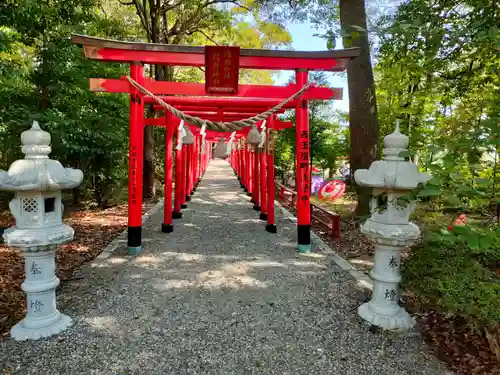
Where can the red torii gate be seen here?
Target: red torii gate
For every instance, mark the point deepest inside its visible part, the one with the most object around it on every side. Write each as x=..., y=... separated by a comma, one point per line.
x=137, y=54
x=187, y=180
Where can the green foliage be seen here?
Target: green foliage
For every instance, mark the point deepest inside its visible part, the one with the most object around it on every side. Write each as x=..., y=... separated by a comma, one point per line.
x=328, y=138
x=245, y=31
x=322, y=14
x=284, y=155
x=45, y=78
x=437, y=71
x=456, y=271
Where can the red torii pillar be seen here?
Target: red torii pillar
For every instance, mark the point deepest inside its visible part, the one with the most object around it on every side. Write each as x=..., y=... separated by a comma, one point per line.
x=189, y=171
x=249, y=169
x=263, y=182
x=177, y=214
x=167, y=226
x=234, y=158
x=136, y=145
x=271, y=225
x=195, y=164
x=184, y=166
x=240, y=163
x=244, y=162
x=198, y=161
x=302, y=163
x=255, y=172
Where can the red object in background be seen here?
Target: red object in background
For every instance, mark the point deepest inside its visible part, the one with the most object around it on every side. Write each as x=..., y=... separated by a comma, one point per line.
x=316, y=170
x=331, y=190
x=222, y=69
x=461, y=220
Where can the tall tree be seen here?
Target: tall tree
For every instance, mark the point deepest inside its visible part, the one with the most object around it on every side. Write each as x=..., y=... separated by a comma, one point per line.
x=363, y=122
x=172, y=22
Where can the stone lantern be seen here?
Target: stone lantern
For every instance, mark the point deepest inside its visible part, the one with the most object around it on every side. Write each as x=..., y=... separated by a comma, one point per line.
x=188, y=138
x=389, y=229
x=37, y=181
x=220, y=149
x=254, y=137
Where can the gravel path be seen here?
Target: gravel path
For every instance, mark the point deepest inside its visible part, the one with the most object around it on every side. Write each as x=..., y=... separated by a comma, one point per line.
x=220, y=296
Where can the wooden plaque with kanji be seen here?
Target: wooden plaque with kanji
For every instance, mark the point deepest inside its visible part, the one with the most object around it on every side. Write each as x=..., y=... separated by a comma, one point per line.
x=222, y=66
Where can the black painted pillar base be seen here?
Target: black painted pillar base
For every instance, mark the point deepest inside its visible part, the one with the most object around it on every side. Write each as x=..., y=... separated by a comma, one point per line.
x=256, y=207
x=134, y=236
x=245, y=189
x=184, y=205
x=263, y=216
x=304, y=238
x=188, y=198
x=176, y=215
x=167, y=228
x=271, y=228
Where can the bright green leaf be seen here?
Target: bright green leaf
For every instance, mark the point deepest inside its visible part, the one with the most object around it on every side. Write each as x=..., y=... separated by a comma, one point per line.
x=429, y=192
x=473, y=241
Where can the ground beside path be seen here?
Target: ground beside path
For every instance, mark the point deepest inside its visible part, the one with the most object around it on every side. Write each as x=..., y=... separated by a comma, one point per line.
x=94, y=230
x=218, y=296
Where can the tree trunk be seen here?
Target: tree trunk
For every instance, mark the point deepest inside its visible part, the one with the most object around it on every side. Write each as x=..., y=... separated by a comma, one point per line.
x=363, y=122
x=148, y=173
x=148, y=176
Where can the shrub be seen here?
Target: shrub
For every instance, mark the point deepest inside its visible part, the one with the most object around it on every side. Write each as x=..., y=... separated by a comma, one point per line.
x=458, y=272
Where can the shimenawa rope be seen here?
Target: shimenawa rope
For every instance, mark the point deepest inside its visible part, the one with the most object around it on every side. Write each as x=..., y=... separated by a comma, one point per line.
x=217, y=125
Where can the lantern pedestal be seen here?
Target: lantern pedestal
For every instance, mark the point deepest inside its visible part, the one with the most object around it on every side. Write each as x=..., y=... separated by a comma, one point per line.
x=42, y=318
x=393, y=320
x=383, y=310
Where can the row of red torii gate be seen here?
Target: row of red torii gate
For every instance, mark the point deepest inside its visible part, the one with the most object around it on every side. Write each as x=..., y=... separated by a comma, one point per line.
x=226, y=108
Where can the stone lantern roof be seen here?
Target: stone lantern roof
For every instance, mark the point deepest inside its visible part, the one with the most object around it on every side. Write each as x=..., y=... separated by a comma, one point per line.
x=393, y=172
x=36, y=172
